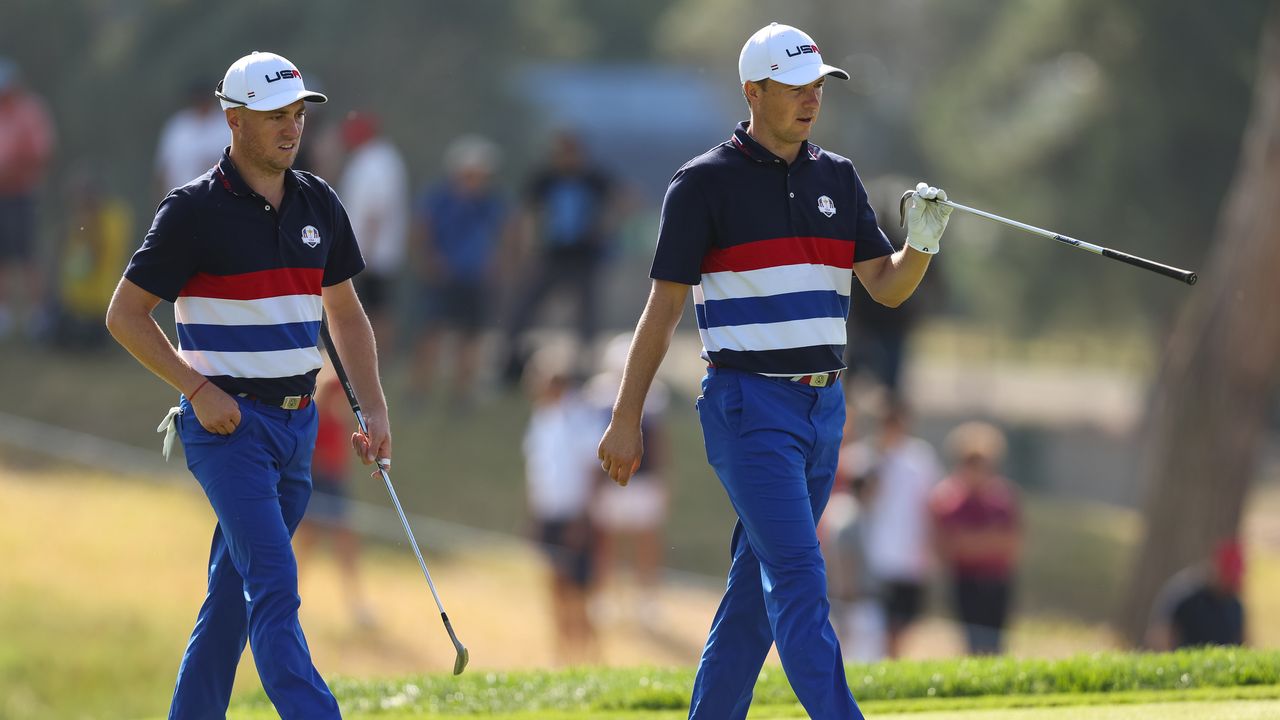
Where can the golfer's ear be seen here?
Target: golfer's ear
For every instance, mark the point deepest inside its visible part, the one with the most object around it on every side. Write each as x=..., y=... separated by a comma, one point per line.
x=233, y=117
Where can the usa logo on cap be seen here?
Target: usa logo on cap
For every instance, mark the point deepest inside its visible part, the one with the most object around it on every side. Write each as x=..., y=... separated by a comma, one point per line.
x=310, y=236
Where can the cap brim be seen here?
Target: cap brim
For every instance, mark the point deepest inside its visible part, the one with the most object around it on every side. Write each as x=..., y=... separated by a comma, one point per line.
x=279, y=100
x=808, y=73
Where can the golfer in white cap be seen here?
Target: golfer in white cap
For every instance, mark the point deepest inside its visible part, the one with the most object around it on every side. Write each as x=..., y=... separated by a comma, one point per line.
x=768, y=229
x=251, y=254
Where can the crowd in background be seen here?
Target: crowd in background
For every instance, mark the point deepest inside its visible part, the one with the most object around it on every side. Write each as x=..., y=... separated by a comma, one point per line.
x=896, y=515
x=583, y=522
x=440, y=259
x=26, y=146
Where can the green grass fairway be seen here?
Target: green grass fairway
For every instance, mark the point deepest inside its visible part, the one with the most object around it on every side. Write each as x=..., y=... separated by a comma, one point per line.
x=1227, y=710
x=1179, y=709
x=1204, y=684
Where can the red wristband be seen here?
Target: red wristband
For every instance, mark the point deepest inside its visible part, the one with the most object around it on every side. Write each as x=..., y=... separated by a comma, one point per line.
x=199, y=387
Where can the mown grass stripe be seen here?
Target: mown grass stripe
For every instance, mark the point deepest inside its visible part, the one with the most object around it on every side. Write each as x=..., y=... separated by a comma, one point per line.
x=1112, y=677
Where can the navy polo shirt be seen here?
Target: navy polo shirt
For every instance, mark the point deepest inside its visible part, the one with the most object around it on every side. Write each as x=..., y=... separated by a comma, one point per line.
x=769, y=248
x=245, y=278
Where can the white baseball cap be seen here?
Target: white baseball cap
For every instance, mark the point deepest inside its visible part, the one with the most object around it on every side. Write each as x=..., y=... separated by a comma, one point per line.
x=784, y=54
x=263, y=81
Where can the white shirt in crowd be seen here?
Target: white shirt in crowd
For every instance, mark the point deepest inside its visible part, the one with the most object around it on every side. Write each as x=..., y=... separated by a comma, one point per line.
x=898, y=523
x=561, y=467
x=375, y=192
x=190, y=143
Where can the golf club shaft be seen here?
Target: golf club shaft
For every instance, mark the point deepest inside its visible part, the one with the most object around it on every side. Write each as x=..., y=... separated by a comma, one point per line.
x=386, y=478
x=1185, y=276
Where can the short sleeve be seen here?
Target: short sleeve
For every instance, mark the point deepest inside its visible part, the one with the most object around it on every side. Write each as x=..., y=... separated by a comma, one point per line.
x=344, y=261
x=685, y=232
x=170, y=252
x=871, y=240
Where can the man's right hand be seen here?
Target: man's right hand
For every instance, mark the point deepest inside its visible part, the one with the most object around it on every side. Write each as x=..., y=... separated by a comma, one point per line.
x=620, y=451
x=218, y=412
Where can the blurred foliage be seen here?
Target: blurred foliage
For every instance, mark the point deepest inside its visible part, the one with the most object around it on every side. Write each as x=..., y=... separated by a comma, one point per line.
x=1118, y=123
x=1113, y=122
x=432, y=70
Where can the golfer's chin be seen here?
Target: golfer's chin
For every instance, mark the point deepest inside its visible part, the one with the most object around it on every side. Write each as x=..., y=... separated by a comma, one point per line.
x=802, y=129
x=284, y=161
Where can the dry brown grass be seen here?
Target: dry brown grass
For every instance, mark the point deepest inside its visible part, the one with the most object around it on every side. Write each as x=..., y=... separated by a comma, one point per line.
x=101, y=579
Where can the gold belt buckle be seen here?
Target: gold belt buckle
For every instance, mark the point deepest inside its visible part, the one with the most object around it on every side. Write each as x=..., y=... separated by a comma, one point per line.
x=293, y=402
x=819, y=380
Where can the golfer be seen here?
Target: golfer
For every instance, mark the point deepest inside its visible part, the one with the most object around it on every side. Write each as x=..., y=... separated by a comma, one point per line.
x=250, y=253
x=769, y=229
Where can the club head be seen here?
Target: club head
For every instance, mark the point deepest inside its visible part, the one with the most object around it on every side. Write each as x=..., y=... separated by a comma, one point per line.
x=464, y=657
x=902, y=208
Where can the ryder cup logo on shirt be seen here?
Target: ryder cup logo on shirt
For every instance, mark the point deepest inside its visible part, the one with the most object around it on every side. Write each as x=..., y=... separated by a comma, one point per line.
x=826, y=207
x=311, y=236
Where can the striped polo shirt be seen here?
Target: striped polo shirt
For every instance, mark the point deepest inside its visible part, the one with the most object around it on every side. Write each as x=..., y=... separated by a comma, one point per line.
x=245, y=278
x=770, y=249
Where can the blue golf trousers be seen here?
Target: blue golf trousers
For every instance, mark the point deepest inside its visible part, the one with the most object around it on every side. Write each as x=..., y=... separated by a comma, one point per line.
x=774, y=445
x=258, y=480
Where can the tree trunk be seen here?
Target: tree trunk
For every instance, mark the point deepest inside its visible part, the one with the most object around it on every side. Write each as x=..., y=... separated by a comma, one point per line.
x=1219, y=373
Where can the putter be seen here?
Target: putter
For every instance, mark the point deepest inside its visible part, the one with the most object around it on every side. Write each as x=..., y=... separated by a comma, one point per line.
x=463, y=657
x=1185, y=276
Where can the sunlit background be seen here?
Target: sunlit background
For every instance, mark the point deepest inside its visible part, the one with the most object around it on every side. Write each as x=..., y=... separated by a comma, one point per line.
x=1140, y=412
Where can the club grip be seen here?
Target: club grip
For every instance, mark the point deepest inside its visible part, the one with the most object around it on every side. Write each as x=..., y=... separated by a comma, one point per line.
x=337, y=366
x=1185, y=276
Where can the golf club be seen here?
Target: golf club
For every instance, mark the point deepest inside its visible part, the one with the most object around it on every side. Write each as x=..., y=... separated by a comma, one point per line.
x=1185, y=276
x=463, y=657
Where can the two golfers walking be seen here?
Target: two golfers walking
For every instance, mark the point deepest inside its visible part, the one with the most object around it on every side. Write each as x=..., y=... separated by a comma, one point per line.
x=766, y=228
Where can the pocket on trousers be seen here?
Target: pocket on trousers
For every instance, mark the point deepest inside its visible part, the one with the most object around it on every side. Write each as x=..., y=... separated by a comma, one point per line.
x=191, y=430
x=723, y=396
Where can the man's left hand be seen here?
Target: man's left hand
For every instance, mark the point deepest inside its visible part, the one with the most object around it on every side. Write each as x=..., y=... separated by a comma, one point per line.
x=926, y=220
x=376, y=445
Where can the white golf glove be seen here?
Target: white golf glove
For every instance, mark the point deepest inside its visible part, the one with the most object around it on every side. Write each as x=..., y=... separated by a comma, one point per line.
x=169, y=427
x=926, y=220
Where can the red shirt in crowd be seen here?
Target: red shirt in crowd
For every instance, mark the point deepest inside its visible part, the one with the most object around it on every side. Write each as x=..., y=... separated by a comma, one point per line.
x=26, y=142
x=977, y=526
x=333, y=446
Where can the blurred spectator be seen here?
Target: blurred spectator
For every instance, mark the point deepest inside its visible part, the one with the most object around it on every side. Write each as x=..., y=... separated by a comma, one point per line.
x=99, y=229
x=192, y=140
x=878, y=334
x=328, y=512
x=978, y=533
x=857, y=605
x=461, y=224
x=907, y=469
x=375, y=192
x=1201, y=604
x=562, y=475
x=636, y=513
x=570, y=216
x=26, y=144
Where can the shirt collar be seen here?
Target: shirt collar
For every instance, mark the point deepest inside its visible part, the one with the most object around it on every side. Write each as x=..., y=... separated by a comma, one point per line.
x=234, y=183
x=754, y=150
